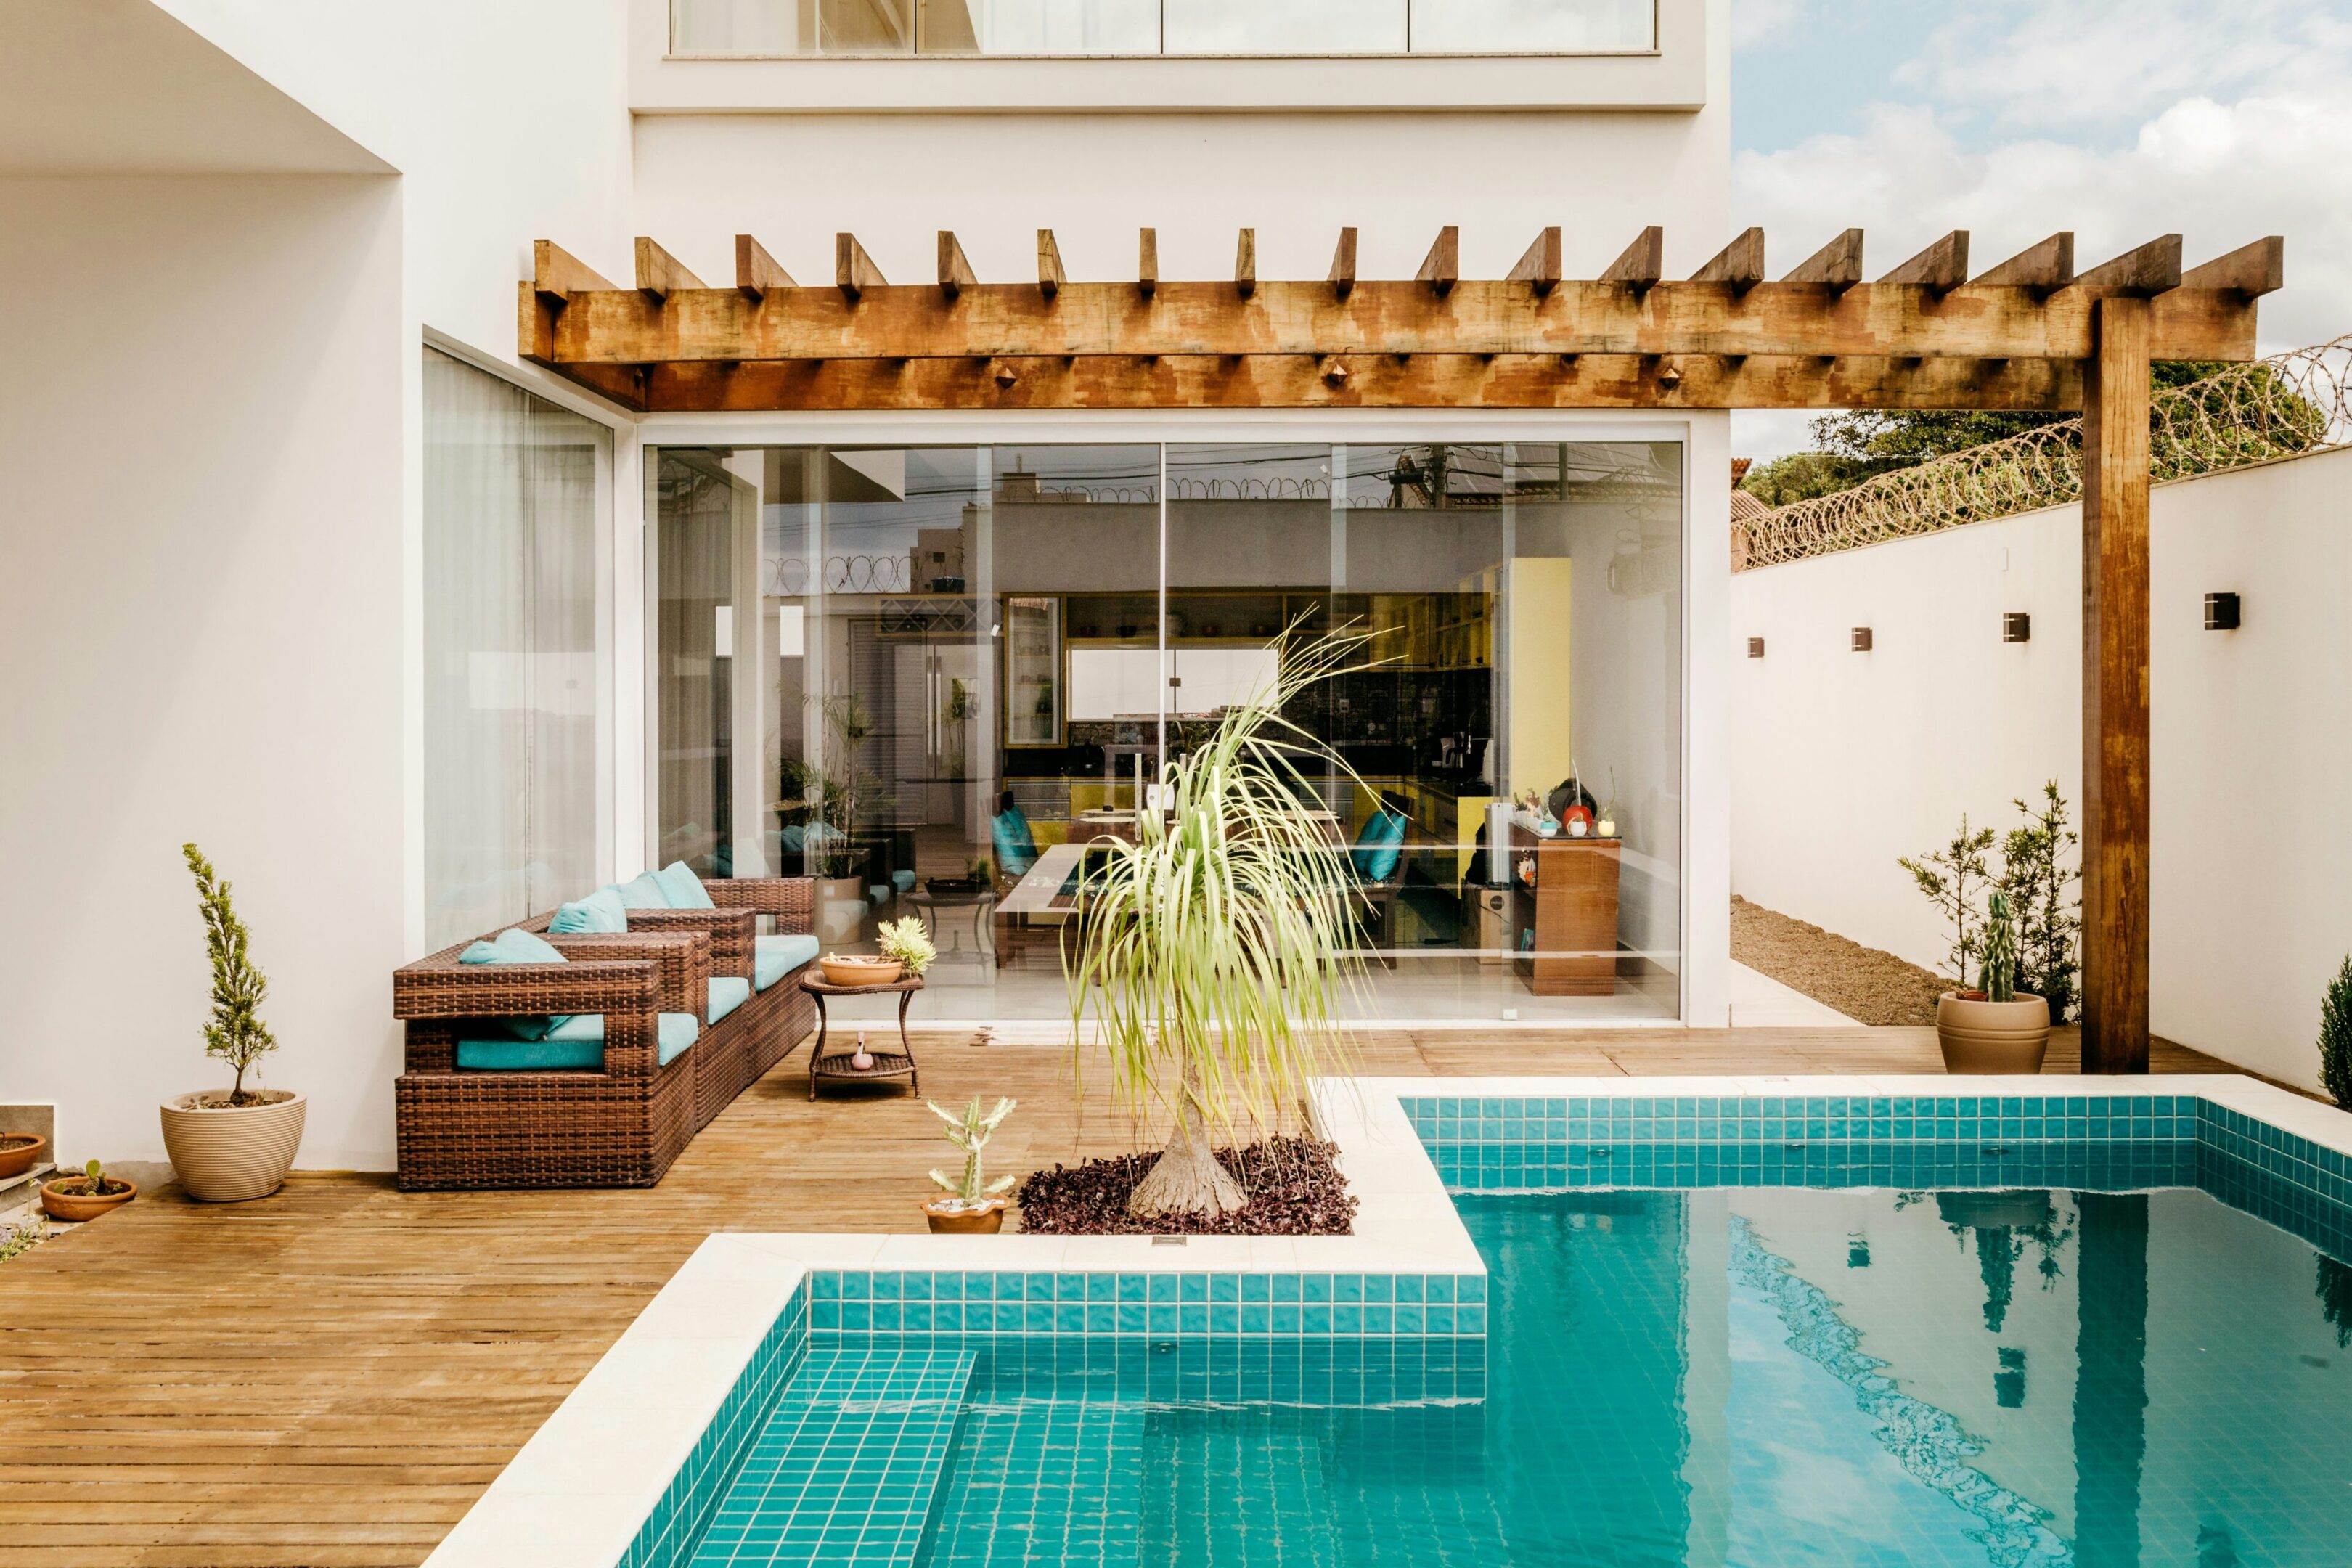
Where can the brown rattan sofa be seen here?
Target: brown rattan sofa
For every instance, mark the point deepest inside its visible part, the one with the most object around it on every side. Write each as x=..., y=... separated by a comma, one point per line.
x=620, y=1125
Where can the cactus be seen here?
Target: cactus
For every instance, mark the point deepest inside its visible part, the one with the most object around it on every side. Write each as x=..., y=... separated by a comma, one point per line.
x=970, y=1132
x=1999, y=951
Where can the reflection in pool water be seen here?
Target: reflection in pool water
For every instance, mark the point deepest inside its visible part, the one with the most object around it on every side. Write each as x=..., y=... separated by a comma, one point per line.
x=1765, y=1376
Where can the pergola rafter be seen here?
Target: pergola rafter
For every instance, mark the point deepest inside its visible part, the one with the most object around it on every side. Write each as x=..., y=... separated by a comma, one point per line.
x=2031, y=334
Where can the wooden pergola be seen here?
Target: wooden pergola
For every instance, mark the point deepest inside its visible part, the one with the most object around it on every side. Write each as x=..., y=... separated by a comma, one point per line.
x=2031, y=334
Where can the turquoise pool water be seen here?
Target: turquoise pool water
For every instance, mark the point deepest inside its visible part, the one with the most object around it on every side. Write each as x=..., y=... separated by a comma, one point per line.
x=1748, y=1360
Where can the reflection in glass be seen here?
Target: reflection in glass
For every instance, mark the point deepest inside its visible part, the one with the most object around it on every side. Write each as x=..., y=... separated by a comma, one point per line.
x=1284, y=27
x=1040, y=27
x=1533, y=26
x=793, y=27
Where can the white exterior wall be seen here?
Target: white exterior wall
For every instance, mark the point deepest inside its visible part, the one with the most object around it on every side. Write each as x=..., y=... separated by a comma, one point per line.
x=1840, y=761
x=211, y=438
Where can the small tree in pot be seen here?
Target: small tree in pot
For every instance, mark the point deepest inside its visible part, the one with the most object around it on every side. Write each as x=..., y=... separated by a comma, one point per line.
x=239, y=1145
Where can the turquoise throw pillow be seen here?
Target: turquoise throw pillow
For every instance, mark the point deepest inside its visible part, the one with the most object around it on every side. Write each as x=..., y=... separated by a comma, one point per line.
x=682, y=888
x=1016, y=848
x=601, y=910
x=1378, y=847
x=644, y=892
x=515, y=946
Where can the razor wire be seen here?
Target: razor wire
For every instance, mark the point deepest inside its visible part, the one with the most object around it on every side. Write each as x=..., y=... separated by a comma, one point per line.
x=2283, y=407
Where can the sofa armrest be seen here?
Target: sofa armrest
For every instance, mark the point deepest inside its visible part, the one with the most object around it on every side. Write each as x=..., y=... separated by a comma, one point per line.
x=733, y=933
x=791, y=900
x=681, y=961
x=442, y=988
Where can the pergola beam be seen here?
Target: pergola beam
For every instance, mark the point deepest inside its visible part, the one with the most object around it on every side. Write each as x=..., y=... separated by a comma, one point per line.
x=2044, y=268
x=660, y=274
x=1539, y=267
x=1941, y=268
x=1345, y=380
x=1837, y=264
x=867, y=320
x=756, y=271
x=1739, y=264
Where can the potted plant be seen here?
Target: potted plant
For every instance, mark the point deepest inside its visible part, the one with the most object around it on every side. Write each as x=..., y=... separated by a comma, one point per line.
x=228, y=1147
x=1995, y=1029
x=19, y=1152
x=86, y=1196
x=1212, y=957
x=835, y=793
x=973, y=1205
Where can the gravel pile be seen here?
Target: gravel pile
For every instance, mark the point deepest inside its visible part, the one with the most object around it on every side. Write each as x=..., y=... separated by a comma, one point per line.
x=1292, y=1184
x=1866, y=984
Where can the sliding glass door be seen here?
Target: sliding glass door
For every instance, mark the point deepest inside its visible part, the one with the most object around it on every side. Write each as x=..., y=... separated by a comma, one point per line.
x=928, y=676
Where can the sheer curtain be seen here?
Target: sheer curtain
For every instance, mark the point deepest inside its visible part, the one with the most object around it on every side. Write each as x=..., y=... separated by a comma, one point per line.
x=511, y=645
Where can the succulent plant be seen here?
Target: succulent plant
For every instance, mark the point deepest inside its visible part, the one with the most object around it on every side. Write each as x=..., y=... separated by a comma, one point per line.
x=970, y=1132
x=1999, y=949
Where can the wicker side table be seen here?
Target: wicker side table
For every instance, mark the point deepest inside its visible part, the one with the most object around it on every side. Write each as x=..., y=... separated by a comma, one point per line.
x=836, y=1065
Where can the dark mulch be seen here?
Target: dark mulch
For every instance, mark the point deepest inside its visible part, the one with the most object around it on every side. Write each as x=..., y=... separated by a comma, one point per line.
x=1293, y=1185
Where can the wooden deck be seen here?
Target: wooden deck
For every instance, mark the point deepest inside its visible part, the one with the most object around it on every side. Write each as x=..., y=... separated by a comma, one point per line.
x=331, y=1375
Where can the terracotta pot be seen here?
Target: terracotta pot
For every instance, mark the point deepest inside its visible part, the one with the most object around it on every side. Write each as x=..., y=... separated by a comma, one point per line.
x=862, y=971
x=17, y=1157
x=1984, y=1036
x=236, y=1152
x=985, y=1219
x=76, y=1207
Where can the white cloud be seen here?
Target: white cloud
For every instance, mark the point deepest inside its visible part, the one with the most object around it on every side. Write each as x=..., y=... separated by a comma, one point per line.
x=1755, y=22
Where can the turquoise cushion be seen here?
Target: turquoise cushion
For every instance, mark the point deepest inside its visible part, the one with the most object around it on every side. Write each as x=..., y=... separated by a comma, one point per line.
x=1377, y=849
x=728, y=992
x=877, y=893
x=1016, y=850
x=577, y=1047
x=601, y=910
x=777, y=956
x=515, y=946
x=682, y=888
x=903, y=880
x=643, y=891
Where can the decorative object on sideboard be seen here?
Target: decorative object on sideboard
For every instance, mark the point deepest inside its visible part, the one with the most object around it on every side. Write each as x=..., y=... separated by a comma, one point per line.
x=232, y=1147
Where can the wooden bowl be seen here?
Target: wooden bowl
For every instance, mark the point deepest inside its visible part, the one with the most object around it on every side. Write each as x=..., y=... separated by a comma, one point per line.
x=862, y=971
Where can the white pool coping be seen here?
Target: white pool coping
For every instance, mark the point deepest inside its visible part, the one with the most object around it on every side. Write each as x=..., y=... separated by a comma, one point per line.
x=579, y=1490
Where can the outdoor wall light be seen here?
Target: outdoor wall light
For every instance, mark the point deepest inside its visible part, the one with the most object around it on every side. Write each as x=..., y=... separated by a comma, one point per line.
x=1862, y=639
x=1756, y=648
x=2016, y=625
x=2220, y=611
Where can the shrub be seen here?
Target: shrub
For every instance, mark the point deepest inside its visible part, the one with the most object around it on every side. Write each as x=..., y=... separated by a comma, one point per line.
x=236, y=1034
x=1951, y=877
x=2336, y=1037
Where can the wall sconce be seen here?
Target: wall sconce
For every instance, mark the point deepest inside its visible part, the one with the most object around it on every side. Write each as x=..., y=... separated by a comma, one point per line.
x=1756, y=648
x=1862, y=639
x=2220, y=611
x=2016, y=625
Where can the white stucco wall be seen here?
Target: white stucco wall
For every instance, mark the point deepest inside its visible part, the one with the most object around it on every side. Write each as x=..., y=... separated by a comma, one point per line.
x=1841, y=761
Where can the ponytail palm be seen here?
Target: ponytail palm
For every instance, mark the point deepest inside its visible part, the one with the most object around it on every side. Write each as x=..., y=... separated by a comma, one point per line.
x=1214, y=948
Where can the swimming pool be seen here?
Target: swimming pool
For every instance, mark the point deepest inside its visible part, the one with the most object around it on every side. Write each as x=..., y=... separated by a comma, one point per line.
x=1796, y=1328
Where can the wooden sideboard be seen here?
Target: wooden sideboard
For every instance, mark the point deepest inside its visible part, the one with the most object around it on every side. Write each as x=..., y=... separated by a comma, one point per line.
x=1571, y=904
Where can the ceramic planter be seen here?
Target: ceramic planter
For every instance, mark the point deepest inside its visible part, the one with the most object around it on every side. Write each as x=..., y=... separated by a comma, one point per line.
x=1986, y=1036
x=949, y=1217
x=862, y=971
x=76, y=1207
x=19, y=1152
x=233, y=1153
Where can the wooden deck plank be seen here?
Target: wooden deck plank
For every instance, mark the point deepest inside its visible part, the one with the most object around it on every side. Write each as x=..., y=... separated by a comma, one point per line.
x=329, y=1376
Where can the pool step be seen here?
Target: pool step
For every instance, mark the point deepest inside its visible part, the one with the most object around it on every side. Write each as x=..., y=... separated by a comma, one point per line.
x=846, y=1468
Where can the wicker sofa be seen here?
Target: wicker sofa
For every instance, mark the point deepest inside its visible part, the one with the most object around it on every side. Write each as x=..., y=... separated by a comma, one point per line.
x=622, y=1122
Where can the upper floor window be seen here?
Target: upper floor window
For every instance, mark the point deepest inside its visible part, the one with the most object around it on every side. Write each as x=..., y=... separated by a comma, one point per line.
x=1035, y=27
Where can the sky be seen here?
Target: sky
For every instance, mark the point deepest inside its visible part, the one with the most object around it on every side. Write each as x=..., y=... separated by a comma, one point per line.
x=2221, y=119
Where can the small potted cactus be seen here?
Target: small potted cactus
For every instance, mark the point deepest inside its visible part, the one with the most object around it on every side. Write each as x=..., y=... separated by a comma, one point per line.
x=1995, y=1029
x=86, y=1196
x=973, y=1205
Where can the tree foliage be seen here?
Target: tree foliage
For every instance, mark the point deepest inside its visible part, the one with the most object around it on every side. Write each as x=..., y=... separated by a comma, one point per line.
x=2335, y=1038
x=2038, y=874
x=1953, y=878
x=235, y=1033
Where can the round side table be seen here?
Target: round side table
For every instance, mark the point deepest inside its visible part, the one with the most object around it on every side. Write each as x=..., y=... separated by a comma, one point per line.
x=836, y=1065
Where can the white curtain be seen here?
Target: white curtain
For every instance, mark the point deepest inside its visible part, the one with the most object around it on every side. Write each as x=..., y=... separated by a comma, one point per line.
x=511, y=650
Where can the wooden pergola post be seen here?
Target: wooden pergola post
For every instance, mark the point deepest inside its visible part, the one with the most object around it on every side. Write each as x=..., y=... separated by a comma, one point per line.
x=2115, y=688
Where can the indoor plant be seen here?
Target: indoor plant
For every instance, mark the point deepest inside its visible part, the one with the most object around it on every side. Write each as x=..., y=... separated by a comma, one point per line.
x=973, y=1204
x=230, y=1147
x=1212, y=953
x=1995, y=1029
x=87, y=1195
x=834, y=792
